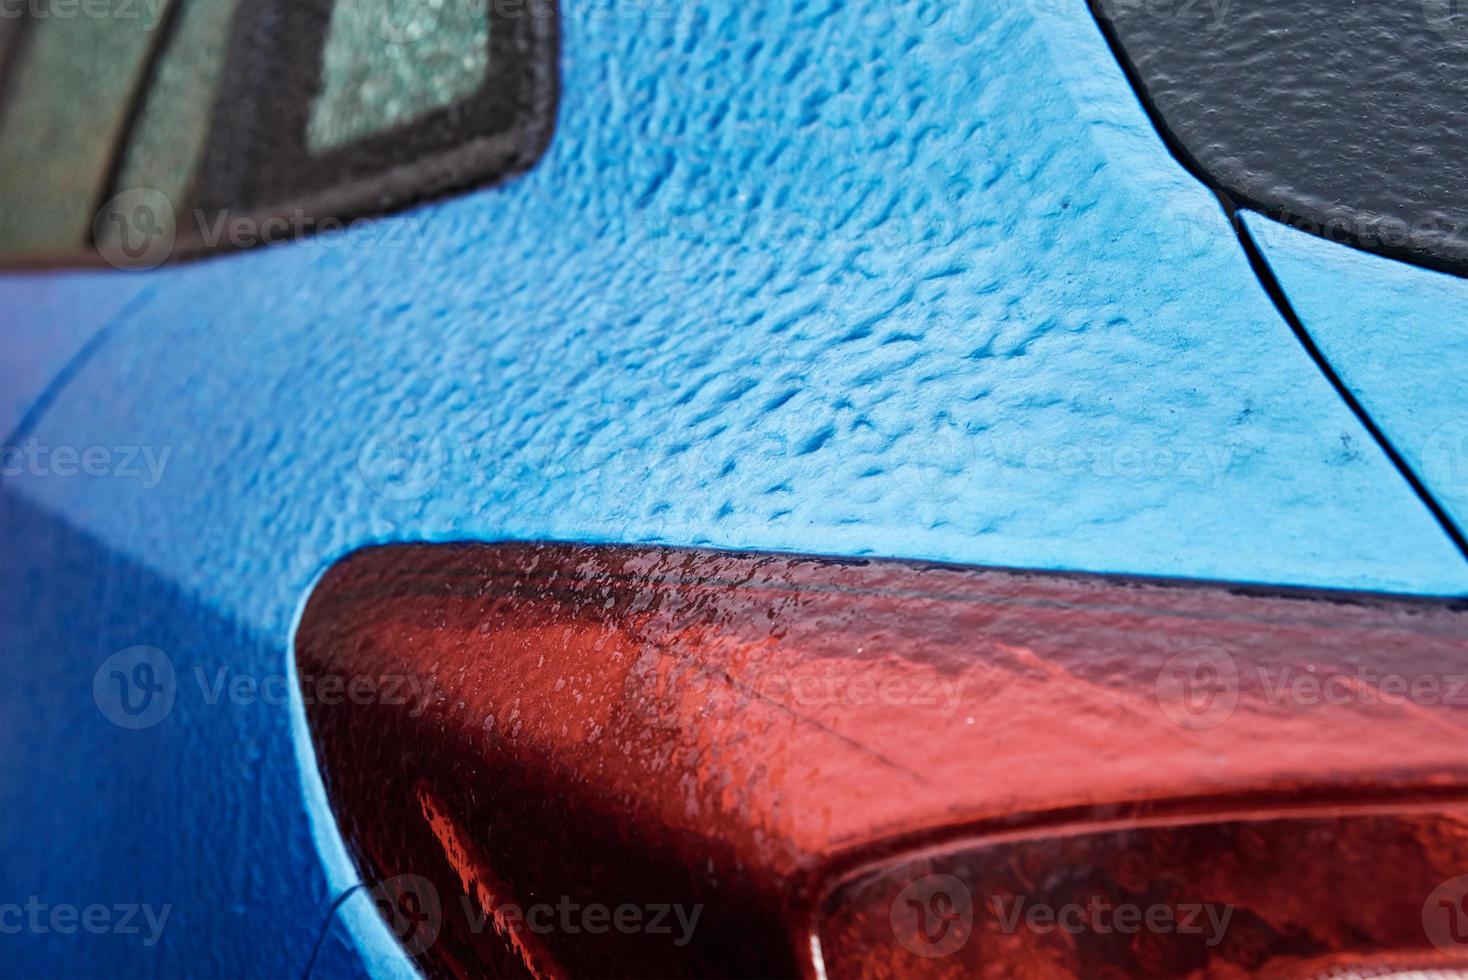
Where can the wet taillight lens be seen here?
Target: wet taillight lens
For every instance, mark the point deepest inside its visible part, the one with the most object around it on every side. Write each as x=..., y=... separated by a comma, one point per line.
x=606, y=761
x=1305, y=894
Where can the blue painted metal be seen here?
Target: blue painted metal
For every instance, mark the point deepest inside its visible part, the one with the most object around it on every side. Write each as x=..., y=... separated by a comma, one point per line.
x=356, y=944
x=49, y=331
x=1397, y=335
x=808, y=277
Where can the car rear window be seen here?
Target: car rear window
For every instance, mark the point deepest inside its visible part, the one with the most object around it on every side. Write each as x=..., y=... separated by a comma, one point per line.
x=141, y=130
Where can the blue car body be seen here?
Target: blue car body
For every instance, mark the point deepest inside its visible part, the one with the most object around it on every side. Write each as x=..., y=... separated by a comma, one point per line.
x=819, y=277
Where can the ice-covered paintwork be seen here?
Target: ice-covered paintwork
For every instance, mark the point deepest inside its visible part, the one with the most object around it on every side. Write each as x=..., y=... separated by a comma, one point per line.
x=737, y=733
x=1398, y=337
x=47, y=334
x=809, y=277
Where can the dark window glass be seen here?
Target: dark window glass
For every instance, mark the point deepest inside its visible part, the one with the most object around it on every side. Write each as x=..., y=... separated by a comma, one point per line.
x=72, y=72
x=146, y=130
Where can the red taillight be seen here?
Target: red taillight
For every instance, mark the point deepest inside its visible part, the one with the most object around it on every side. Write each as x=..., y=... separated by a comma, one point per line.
x=1316, y=892
x=806, y=766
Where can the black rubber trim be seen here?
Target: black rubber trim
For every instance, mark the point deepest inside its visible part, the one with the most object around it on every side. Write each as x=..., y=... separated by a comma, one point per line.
x=1345, y=121
x=257, y=162
x=160, y=43
x=1272, y=288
